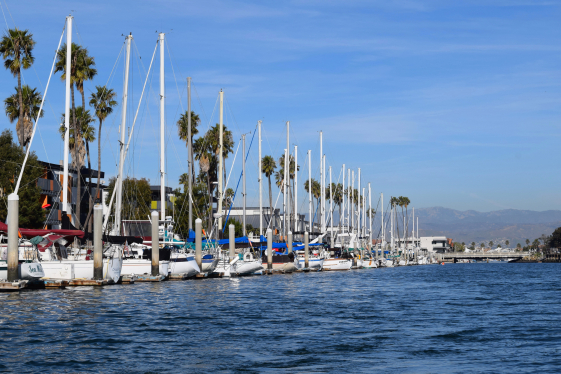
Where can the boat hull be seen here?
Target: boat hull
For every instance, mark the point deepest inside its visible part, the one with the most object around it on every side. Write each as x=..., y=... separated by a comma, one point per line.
x=337, y=264
x=313, y=263
x=139, y=266
x=26, y=270
x=83, y=269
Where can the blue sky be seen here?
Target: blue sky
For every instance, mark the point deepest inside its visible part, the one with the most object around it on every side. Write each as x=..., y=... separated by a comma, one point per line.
x=453, y=104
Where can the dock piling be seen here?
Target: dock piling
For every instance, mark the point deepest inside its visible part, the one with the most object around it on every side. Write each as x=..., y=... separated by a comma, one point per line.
x=306, y=250
x=199, y=243
x=232, y=241
x=289, y=242
x=98, y=246
x=269, y=249
x=155, y=244
x=13, y=244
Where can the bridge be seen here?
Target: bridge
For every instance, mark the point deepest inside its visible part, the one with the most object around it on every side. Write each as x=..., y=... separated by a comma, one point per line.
x=455, y=256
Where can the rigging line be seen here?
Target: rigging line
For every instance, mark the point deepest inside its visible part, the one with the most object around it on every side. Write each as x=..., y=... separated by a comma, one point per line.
x=199, y=100
x=10, y=13
x=38, y=115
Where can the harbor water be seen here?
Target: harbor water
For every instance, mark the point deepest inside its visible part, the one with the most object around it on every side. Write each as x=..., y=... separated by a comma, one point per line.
x=456, y=318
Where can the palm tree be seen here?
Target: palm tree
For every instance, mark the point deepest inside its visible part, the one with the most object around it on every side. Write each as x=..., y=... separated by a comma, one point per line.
x=74, y=78
x=206, y=151
x=316, y=193
x=268, y=166
x=507, y=243
x=15, y=47
x=482, y=245
x=184, y=132
x=527, y=241
x=31, y=100
x=85, y=71
x=338, y=197
x=491, y=244
x=102, y=101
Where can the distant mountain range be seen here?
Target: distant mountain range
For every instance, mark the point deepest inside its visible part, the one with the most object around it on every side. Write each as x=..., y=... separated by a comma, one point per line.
x=498, y=226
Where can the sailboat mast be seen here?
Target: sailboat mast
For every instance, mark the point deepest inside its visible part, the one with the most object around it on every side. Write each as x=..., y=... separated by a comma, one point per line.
x=220, y=160
x=359, y=216
x=310, y=217
x=260, y=173
x=285, y=191
x=190, y=153
x=331, y=207
x=369, y=216
x=65, y=207
x=349, y=202
x=162, y=132
x=119, y=203
x=353, y=202
x=363, y=211
x=321, y=192
x=324, y=216
x=382, y=216
x=295, y=188
x=342, y=219
x=287, y=174
x=243, y=183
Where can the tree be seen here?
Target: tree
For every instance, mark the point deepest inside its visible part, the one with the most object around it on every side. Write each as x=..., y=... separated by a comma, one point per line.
x=316, y=193
x=507, y=243
x=16, y=48
x=31, y=214
x=137, y=197
x=268, y=166
x=491, y=244
x=184, y=133
x=555, y=239
x=518, y=246
x=74, y=78
x=102, y=101
x=207, y=149
x=482, y=245
x=31, y=100
x=527, y=241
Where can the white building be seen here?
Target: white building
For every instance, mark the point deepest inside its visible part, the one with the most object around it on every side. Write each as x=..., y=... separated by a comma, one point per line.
x=437, y=244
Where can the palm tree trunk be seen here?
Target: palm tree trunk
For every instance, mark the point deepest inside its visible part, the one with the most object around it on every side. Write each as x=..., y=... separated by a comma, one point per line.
x=20, y=118
x=77, y=139
x=89, y=185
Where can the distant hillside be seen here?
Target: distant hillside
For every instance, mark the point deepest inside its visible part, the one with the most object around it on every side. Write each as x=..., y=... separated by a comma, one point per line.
x=498, y=226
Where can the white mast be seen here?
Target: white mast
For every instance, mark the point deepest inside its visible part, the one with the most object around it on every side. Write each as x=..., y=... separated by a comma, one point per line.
x=321, y=192
x=382, y=216
x=119, y=203
x=369, y=216
x=331, y=206
x=287, y=174
x=363, y=213
x=359, y=216
x=190, y=153
x=353, y=202
x=391, y=228
x=243, y=182
x=162, y=132
x=284, y=208
x=413, y=231
x=295, y=188
x=65, y=206
x=310, y=218
x=220, y=160
x=349, y=202
x=260, y=173
x=342, y=219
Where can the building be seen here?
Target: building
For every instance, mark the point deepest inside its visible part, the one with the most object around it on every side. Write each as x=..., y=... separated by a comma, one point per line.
x=51, y=191
x=438, y=244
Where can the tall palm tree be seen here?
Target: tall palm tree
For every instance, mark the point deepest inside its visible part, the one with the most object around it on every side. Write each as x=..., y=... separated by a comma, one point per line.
x=74, y=78
x=268, y=166
x=184, y=132
x=316, y=193
x=31, y=100
x=207, y=150
x=102, y=101
x=16, y=48
x=85, y=71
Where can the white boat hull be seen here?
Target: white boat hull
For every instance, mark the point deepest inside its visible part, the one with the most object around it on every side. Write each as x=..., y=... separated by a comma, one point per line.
x=139, y=266
x=26, y=270
x=370, y=264
x=337, y=264
x=247, y=267
x=82, y=269
x=183, y=265
x=313, y=263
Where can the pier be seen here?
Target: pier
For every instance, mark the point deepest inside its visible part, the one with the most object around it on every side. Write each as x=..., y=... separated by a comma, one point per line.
x=481, y=256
